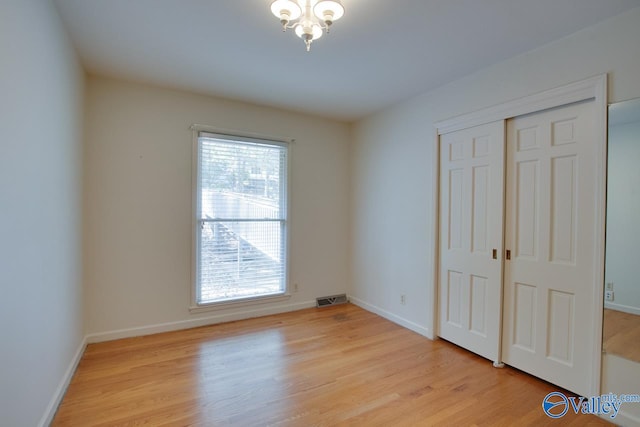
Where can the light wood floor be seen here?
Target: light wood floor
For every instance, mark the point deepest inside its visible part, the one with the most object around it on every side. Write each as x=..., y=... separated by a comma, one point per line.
x=622, y=334
x=332, y=366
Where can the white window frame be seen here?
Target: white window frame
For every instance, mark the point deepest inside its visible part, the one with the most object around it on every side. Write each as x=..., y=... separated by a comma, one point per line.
x=197, y=130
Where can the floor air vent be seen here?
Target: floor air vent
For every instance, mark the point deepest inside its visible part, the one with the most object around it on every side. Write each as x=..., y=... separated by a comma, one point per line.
x=332, y=300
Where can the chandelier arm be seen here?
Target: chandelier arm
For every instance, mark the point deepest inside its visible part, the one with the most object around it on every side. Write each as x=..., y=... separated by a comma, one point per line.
x=295, y=24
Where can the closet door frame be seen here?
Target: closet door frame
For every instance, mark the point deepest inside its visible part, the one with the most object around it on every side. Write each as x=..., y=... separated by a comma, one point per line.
x=592, y=88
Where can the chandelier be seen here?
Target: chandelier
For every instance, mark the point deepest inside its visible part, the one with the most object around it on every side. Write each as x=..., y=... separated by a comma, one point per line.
x=308, y=18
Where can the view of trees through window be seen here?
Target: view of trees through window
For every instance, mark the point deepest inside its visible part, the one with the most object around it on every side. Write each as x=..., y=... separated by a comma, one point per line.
x=241, y=219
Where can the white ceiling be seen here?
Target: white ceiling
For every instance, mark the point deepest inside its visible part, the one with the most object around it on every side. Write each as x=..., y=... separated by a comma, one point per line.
x=379, y=53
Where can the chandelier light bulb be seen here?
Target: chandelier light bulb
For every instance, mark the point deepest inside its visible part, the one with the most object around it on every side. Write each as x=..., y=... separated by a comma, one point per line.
x=328, y=11
x=308, y=32
x=313, y=30
x=286, y=11
x=313, y=18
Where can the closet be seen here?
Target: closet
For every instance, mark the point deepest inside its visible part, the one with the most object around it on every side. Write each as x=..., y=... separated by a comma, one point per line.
x=519, y=258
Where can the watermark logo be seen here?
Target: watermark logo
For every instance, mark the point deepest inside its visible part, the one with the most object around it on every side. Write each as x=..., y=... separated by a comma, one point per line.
x=556, y=404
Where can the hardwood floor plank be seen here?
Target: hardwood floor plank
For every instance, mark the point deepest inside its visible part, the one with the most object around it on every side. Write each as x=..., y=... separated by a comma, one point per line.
x=319, y=367
x=621, y=334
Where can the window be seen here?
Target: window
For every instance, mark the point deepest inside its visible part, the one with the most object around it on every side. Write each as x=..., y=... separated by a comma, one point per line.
x=240, y=218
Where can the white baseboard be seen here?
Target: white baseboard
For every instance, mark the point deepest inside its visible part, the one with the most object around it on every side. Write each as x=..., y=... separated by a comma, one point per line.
x=194, y=323
x=624, y=308
x=52, y=408
x=623, y=419
x=621, y=376
x=390, y=316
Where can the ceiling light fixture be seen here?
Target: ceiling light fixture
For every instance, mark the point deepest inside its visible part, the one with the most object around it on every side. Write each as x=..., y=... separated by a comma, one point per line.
x=308, y=18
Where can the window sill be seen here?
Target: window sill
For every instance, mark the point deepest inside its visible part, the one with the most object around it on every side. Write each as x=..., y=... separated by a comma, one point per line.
x=244, y=302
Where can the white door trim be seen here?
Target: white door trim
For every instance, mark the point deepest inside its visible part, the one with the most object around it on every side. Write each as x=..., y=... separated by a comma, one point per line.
x=592, y=88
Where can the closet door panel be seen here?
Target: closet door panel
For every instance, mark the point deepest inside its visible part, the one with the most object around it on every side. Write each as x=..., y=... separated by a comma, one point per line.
x=550, y=217
x=471, y=228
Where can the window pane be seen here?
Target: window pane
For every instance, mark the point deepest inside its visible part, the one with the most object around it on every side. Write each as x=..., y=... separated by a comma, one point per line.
x=241, y=219
x=240, y=259
x=241, y=180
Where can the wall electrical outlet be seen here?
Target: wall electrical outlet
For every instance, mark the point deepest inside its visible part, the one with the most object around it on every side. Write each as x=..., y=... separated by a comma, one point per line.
x=608, y=295
x=295, y=287
x=403, y=299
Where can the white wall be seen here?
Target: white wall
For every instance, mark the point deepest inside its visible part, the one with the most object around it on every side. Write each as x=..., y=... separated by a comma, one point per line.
x=623, y=211
x=41, y=319
x=138, y=205
x=392, y=187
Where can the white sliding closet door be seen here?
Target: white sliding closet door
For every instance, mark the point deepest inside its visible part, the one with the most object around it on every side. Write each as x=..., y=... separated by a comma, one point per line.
x=471, y=232
x=550, y=233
